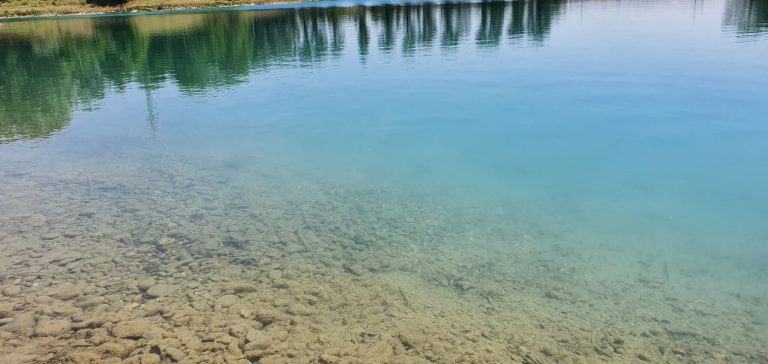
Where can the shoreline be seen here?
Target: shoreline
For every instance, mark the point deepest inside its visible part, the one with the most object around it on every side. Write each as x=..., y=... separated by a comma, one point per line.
x=9, y=13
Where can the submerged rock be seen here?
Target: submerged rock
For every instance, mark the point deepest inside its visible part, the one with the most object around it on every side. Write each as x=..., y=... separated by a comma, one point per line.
x=161, y=290
x=53, y=327
x=227, y=300
x=174, y=354
x=146, y=284
x=291, y=248
x=50, y=236
x=66, y=291
x=23, y=324
x=134, y=329
x=12, y=291
x=37, y=220
x=275, y=274
x=6, y=309
x=143, y=359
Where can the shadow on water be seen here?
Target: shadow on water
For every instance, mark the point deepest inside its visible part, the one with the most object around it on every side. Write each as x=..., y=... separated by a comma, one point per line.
x=746, y=17
x=49, y=68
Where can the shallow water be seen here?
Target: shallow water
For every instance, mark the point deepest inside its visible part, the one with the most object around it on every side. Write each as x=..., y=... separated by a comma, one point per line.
x=550, y=181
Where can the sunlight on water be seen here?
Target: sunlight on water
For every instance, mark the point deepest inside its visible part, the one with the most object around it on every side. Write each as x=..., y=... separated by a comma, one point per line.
x=525, y=181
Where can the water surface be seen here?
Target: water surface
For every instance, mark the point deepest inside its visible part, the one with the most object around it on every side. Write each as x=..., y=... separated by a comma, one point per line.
x=525, y=181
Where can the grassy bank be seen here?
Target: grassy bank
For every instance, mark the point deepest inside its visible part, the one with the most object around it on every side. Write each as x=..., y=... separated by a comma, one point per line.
x=31, y=8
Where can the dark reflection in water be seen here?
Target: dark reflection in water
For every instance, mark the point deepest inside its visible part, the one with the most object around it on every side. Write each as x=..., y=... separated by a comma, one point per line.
x=48, y=68
x=747, y=17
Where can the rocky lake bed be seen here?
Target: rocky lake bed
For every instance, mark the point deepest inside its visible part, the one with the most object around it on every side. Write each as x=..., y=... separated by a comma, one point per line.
x=158, y=263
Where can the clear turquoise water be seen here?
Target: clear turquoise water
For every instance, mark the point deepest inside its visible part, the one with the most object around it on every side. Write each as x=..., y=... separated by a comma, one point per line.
x=622, y=134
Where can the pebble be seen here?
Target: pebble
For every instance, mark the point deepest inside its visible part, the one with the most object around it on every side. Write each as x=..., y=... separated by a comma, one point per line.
x=131, y=329
x=154, y=309
x=23, y=324
x=53, y=327
x=227, y=300
x=37, y=220
x=379, y=351
x=165, y=241
x=328, y=359
x=644, y=357
x=239, y=331
x=245, y=313
x=260, y=342
x=143, y=359
x=50, y=236
x=175, y=354
x=87, y=213
x=145, y=284
x=112, y=349
x=126, y=239
x=12, y=291
x=275, y=274
x=553, y=295
x=160, y=290
x=66, y=292
x=300, y=310
x=252, y=334
x=98, y=336
x=291, y=248
x=6, y=309
x=758, y=317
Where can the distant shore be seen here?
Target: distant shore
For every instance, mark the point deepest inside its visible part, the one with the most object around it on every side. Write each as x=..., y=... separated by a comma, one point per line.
x=43, y=8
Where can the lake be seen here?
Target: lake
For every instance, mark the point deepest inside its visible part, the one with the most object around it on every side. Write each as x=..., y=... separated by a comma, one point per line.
x=387, y=182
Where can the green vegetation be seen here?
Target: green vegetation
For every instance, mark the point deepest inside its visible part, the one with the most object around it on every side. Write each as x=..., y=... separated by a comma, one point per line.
x=24, y=8
x=49, y=68
x=748, y=17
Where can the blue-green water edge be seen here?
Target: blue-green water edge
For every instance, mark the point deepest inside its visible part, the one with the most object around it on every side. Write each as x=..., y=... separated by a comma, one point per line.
x=590, y=176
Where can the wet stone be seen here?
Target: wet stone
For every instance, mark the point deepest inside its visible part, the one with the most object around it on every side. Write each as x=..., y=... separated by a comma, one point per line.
x=553, y=295
x=12, y=291
x=239, y=331
x=227, y=300
x=37, y=220
x=53, y=327
x=132, y=329
x=23, y=324
x=165, y=241
x=328, y=359
x=87, y=213
x=50, y=236
x=379, y=351
x=143, y=359
x=145, y=284
x=112, y=349
x=291, y=248
x=252, y=334
x=161, y=290
x=275, y=274
x=300, y=310
x=174, y=354
x=66, y=292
